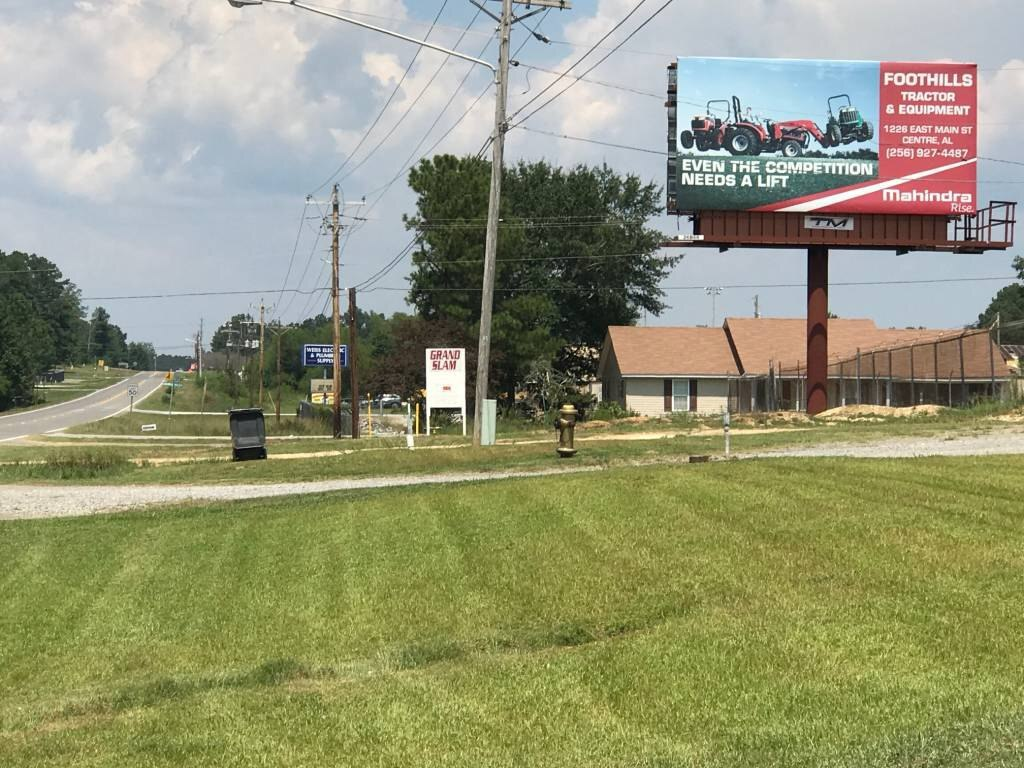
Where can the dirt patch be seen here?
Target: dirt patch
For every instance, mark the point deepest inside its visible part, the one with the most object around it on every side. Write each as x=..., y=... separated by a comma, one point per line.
x=593, y=424
x=879, y=412
x=635, y=420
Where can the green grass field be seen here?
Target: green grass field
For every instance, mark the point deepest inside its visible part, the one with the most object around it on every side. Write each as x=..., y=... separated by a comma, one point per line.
x=772, y=613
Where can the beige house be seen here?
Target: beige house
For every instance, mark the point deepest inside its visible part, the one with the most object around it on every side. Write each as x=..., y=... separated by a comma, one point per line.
x=755, y=364
x=654, y=371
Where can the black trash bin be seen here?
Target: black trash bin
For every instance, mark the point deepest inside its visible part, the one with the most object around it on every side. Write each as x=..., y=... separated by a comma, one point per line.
x=248, y=434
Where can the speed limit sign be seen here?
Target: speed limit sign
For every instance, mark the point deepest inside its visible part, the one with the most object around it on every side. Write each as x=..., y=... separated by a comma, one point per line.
x=133, y=392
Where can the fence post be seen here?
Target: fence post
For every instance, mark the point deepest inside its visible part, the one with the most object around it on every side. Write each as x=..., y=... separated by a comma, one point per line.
x=874, y=380
x=963, y=384
x=913, y=391
x=935, y=361
x=991, y=362
x=842, y=385
x=799, y=388
x=858, y=376
x=888, y=385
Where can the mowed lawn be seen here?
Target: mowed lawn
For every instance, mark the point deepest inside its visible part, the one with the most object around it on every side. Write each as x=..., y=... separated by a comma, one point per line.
x=759, y=613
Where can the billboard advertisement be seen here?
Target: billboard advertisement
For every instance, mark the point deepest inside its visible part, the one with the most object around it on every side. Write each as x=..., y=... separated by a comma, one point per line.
x=825, y=136
x=321, y=355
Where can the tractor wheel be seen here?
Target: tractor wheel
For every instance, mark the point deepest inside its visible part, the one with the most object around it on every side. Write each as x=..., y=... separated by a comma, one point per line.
x=742, y=141
x=686, y=139
x=867, y=132
x=835, y=136
x=792, y=148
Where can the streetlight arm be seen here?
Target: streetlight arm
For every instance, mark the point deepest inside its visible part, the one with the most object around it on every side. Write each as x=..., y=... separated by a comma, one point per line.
x=374, y=28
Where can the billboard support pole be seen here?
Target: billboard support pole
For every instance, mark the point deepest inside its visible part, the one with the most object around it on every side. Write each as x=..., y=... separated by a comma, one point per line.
x=817, y=329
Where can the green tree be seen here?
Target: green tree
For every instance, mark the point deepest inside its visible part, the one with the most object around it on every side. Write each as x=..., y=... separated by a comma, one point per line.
x=574, y=256
x=403, y=371
x=141, y=356
x=26, y=349
x=1008, y=306
x=106, y=341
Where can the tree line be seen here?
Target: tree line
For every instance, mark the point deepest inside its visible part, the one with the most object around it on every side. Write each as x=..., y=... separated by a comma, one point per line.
x=43, y=325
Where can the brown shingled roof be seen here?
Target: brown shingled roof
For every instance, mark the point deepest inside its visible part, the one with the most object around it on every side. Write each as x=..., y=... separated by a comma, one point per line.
x=784, y=340
x=670, y=351
x=759, y=340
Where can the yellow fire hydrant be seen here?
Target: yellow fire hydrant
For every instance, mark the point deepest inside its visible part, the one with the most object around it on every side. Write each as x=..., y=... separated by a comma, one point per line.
x=566, y=426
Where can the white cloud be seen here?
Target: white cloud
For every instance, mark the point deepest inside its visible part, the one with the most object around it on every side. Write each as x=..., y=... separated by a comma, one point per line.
x=1001, y=104
x=92, y=173
x=382, y=67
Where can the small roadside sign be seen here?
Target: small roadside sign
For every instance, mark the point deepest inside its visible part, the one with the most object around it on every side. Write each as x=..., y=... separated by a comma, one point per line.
x=133, y=392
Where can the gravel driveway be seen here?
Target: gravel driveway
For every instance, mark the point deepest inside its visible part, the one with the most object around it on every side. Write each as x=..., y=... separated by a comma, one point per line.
x=24, y=502
x=19, y=502
x=998, y=441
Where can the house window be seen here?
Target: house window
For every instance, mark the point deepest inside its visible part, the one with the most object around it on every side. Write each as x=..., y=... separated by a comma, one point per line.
x=680, y=394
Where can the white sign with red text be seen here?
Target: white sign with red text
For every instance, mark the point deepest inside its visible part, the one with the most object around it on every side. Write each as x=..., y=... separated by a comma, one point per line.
x=446, y=381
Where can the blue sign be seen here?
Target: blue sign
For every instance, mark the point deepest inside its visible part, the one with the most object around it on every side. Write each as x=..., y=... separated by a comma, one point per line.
x=320, y=355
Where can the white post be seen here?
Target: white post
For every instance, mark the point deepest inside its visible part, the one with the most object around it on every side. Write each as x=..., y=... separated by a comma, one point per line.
x=408, y=426
x=428, y=421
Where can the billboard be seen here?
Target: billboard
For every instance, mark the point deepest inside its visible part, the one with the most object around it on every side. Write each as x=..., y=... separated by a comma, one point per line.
x=319, y=355
x=824, y=136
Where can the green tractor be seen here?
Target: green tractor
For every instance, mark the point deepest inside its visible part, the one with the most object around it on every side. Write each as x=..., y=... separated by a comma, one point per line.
x=846, y=125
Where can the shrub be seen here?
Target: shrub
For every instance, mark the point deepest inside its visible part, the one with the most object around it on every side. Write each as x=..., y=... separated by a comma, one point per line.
x=609, y=410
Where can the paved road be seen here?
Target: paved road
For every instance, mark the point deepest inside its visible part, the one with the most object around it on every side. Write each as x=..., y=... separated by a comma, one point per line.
x=101, y=403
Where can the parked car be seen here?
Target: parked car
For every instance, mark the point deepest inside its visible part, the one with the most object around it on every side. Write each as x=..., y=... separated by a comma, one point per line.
x=387, y=401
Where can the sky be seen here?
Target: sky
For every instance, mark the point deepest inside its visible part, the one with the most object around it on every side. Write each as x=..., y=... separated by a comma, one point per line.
x=168, y=146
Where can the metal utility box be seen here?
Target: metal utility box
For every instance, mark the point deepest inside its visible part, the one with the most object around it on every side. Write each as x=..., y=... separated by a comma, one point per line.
x=248, y=434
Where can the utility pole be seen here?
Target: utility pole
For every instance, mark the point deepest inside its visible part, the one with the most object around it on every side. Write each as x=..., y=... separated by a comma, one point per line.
x=336, y=307
x=277, y=405
x=260, y=401
x=483, y=360
x=757, y=310
x=352, y=372
x=713, y=291
x=200, y=360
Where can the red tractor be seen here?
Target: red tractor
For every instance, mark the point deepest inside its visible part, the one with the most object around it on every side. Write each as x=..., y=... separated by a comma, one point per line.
x=707, y=131
x=744, y=135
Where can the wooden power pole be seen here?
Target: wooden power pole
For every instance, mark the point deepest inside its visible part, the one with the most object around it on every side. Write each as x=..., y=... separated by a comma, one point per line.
x=352, y=372
x=336, y=307
x=260, y=401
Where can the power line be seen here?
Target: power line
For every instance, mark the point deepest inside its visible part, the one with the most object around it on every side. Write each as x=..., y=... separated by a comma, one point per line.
x=701, y=287
x=295, y=248
x=598, y=63
x=593, y=141
x=380, y=274
x=187, y=294
x=387, y=103
x=595, y=81
x=29, y=271
x=302, y=277
x=572, y=66
x=415, y=101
